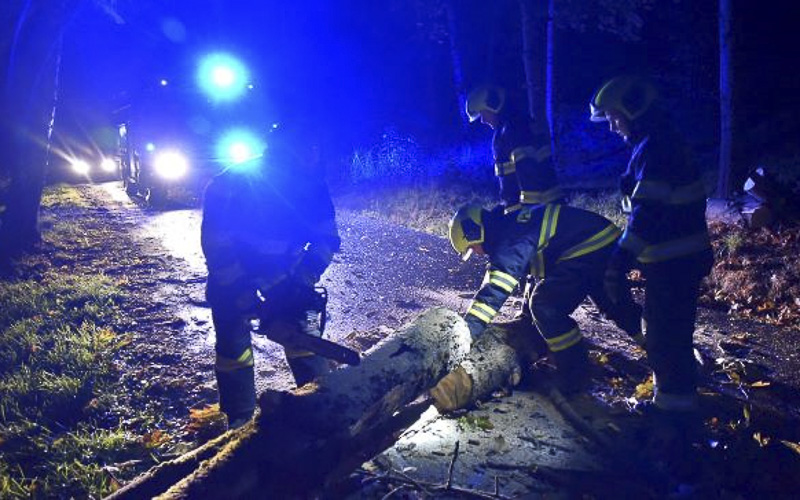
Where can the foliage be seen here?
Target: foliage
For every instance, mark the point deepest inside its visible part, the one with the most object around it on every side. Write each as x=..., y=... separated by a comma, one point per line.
x=756, y=273
x=470, y=421
x=424, y=207
x=401, y=158
x=622, y=18
x=62, y=195
x=395, y=156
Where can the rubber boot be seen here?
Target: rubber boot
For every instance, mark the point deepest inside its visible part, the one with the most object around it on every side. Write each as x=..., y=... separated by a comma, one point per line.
x=572, y=368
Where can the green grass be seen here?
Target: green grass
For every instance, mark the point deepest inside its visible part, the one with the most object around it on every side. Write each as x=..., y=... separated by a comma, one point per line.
x=60, y=385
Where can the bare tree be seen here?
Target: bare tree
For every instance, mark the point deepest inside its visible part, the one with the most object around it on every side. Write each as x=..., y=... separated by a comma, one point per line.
x=541, y=19
x=455, y=60
x=533, y=14
x=726, y=109
x=29, y=97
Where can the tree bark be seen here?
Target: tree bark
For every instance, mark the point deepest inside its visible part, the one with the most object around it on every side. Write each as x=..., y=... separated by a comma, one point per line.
x=498, y=359
x=533, y=14
x=550, y=92
x=455, y=61
x=29, y=99
x=726, y=109
x=304, y=438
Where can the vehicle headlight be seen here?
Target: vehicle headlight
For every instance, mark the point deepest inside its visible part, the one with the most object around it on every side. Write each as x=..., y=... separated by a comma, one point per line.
x=108, y=165
x=80, y=167
x=171, y=165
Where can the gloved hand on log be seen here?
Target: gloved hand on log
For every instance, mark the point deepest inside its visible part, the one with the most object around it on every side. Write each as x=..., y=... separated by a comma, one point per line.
x=453, y=392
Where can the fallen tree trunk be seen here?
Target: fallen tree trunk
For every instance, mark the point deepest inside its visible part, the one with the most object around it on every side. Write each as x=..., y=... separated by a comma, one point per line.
x=302, y=436
x=497, y=359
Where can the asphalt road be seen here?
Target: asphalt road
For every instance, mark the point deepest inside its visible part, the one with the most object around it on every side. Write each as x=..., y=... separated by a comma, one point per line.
x=384, y=276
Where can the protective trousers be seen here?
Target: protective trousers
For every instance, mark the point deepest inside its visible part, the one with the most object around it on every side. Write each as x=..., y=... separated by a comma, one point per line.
x=566, y=285
x=670, y=310
x=234, y=363
x=554, y=299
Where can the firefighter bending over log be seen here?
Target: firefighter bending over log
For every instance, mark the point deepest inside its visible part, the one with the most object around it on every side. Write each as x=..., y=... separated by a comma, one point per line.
x=568, y=249
x=268, y=234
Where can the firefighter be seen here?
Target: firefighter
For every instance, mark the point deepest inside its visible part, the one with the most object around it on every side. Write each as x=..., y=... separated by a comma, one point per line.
x=521, y=150
x=567, y=248
x=666, y=234
x=268, y=234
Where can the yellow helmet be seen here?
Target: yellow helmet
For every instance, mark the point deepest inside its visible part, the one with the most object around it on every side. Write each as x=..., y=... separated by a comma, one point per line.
x=466, y=229
x=485, y=97
x=630, y=95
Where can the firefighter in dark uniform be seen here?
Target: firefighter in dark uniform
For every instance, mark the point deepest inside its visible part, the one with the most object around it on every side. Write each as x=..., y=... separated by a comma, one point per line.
x=521, y=150
x=567, y=248
x=666, y=234
x=268, y=234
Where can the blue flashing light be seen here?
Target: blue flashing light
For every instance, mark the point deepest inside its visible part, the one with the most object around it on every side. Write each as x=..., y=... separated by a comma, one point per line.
x=238, y=146
x=164, y=82
x=222, y=76
x=150, y=147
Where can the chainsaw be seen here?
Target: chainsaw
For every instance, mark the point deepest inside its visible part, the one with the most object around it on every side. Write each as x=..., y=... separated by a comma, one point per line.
x=304, y=317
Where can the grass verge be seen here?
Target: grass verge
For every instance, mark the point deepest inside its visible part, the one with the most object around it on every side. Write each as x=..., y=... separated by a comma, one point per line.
x=59, y=381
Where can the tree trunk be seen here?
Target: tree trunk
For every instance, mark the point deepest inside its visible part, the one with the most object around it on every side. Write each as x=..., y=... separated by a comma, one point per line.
x=498, y=358
x=550, y=92
x=455, y=61
x=533, y=15
x=29, y=104
x=726, y=110
x=304, y=438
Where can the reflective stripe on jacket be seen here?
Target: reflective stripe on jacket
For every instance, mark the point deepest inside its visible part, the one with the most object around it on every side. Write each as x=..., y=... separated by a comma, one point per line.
x=523, y=165
x=534, y=239
x=666, y=198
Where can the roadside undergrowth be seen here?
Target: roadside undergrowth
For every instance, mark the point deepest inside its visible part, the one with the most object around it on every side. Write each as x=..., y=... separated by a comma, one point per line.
x=756, y=273
x=425, y=207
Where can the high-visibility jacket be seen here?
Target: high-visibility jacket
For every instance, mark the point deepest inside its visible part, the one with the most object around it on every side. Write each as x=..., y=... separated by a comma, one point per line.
x=260, y=226
x=523, y=166
x=665, y=196
x=531, y=241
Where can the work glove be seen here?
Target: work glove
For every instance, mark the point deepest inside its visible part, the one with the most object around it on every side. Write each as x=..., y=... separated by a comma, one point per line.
x=616, y=274
x=453, y=392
